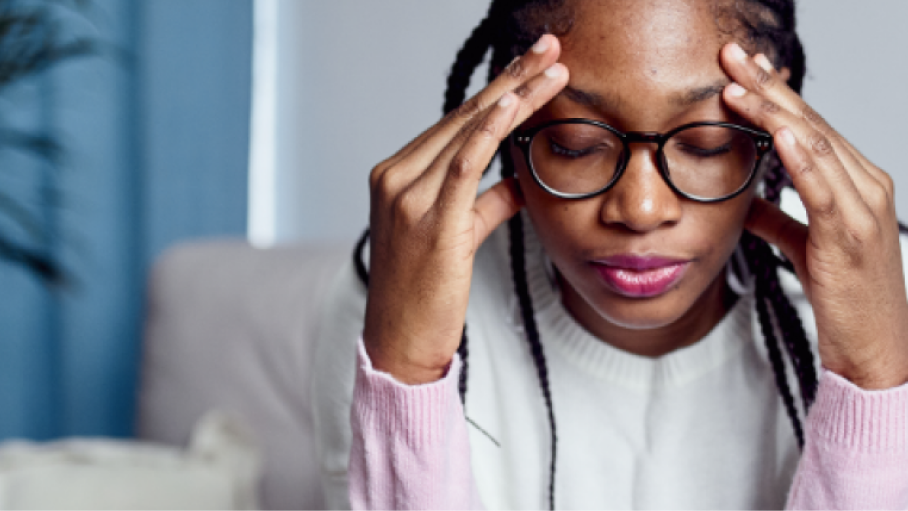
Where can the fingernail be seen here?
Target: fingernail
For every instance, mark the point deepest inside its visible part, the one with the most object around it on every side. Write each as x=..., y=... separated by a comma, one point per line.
x=506, y=100
x=541, y=45
x=787, y=137
x=738, y=53
x=554, y=71
x=764, y=62
x=736, y=90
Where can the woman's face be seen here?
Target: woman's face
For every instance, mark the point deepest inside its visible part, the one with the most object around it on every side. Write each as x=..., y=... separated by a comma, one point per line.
x=643, y=65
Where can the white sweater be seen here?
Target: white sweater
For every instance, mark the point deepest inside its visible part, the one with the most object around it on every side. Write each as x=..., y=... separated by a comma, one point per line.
x=701, y=427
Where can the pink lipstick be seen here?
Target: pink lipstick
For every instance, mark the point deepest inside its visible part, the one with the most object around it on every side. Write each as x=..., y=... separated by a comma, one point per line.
x=640, y=276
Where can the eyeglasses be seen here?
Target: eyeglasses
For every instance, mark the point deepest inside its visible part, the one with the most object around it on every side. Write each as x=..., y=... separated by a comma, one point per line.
x=702, y=161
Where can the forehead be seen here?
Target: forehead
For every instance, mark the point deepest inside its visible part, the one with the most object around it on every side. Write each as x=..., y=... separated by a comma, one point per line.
x=643, y=50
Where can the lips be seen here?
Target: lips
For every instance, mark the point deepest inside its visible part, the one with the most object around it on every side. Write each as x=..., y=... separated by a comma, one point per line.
x=640, y=276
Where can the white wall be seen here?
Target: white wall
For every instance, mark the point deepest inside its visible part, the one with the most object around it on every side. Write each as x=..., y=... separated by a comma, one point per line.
x=358, y=78
x=857, y=75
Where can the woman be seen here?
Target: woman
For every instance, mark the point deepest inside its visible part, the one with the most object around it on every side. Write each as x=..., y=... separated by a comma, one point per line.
x=637, y=139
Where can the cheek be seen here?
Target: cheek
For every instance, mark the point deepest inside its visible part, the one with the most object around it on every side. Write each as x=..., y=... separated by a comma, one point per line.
x=719, y=227
x=557, y=221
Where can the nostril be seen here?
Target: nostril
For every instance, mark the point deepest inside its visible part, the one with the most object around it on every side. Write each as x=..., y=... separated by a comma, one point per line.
x=641, y=201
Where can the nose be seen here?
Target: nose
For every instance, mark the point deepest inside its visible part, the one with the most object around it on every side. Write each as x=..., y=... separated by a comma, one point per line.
x=641, y=200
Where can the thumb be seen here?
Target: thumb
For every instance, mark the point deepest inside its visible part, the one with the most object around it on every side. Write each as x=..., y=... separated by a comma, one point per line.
x=769, y=222
x=497, y=204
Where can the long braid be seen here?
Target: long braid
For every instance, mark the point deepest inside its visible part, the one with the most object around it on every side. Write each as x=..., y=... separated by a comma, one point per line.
x=468, y=59
x=464, y=353
x=758, y=253
x=795, y=337
x=518, y=273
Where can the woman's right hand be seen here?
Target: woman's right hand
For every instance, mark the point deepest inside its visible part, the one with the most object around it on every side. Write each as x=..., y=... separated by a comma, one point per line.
x=427, y=221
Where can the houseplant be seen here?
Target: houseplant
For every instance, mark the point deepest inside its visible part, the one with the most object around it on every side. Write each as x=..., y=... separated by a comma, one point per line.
x=33, y=38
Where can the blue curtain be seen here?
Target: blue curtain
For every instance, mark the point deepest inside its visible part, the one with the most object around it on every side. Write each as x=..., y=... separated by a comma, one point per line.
x=155, y=135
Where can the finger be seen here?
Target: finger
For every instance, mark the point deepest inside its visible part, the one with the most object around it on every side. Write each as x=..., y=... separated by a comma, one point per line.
x=842, y=199
x=818, y=173
x=874, y=185
x=423, y=150
x=461, y=178
x=793, y=102
x=537, y=92
x=758, y=75
x=883, y=178
x=496, y=205
x=529, y=98
x=424, y=194
x=770, y=223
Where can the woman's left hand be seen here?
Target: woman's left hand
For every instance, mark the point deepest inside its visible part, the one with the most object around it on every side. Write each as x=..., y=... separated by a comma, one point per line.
x=848, y=257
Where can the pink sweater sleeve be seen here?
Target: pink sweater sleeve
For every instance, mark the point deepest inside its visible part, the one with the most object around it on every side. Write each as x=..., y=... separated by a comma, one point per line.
x=856, y=449
x=410, y=447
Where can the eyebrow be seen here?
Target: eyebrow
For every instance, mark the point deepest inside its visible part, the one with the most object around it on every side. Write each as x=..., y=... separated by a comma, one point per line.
x=698, y=94
x=591, y=99
x=609, y=103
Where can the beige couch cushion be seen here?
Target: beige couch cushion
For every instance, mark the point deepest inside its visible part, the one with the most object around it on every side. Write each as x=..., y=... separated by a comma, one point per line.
x=230, y=327
x=218, y=470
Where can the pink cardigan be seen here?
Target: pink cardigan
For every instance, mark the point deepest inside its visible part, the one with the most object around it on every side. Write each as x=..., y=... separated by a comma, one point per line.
x=410, y=447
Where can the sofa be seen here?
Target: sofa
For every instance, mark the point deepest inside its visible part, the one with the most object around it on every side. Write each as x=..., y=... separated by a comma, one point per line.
x=229, y=327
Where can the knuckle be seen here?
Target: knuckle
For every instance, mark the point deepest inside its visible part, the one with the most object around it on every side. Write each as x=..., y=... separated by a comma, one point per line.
x=763, y=80
x=524, y=92
x=407, y=208
x=488, y=130
x=806, y=166
x=866, y=227
x=888, y=185
x=827, y=207
x=879, y=197
x=375, y=176
x=381, y=180
x=820, y=144
x=860, y=229
x=469, y=109
x=769, y=108
x=460, y=166
x=812, y=116
x=516, y=70
x=464, y=134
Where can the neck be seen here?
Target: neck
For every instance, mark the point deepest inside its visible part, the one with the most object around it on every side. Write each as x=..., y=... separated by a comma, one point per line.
x=700, y=318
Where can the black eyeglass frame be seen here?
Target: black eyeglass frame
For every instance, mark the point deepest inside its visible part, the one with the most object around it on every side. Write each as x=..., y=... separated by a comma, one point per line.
x=762, y=141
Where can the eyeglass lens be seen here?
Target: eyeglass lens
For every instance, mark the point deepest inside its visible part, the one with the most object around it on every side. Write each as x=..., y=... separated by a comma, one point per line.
x=703, y=161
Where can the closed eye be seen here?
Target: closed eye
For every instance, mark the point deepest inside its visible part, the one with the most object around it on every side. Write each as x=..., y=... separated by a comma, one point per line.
x=561, y=150
x=704, y=152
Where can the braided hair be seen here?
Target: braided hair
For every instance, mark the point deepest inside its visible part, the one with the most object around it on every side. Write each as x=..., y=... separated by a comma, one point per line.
x=508, y=30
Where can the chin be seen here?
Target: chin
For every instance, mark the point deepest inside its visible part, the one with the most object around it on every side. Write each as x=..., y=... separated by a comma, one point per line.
x=643, y=313
x=680, y=311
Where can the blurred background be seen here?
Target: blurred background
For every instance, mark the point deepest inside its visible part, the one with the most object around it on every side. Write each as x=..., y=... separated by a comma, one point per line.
x=258, y=119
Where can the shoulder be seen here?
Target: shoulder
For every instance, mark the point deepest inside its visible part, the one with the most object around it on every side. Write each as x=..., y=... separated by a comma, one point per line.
x=333, y=375
x=339, y=328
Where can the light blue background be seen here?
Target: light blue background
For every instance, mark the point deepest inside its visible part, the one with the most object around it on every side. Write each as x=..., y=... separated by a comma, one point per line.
x=156, y=144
